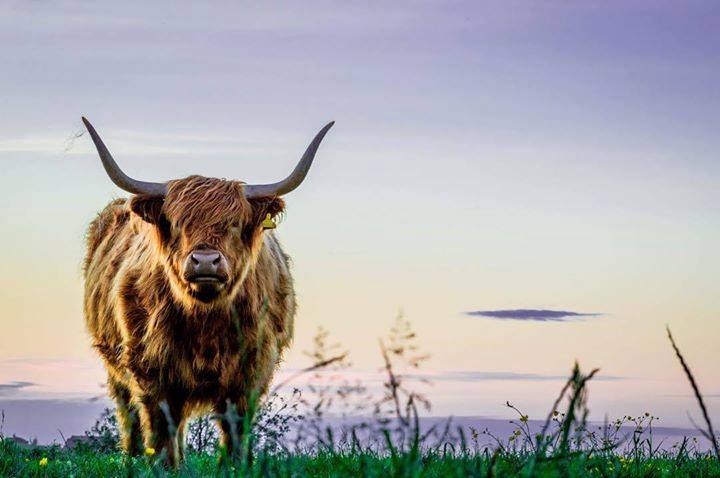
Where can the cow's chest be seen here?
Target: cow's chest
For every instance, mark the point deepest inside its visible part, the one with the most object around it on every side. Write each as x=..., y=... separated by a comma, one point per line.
x=201, y=355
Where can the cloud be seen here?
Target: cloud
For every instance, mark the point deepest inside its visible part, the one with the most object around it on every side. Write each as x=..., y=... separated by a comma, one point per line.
x=42, y=377
x=475, y=376
x=11, y=387
x=537, y=315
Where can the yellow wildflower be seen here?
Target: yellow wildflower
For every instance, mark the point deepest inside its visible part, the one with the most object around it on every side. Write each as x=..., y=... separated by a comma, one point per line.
x=149, y=451
x=43, y=462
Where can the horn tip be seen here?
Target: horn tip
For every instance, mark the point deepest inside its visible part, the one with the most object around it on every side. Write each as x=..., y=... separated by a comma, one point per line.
x=326, y=128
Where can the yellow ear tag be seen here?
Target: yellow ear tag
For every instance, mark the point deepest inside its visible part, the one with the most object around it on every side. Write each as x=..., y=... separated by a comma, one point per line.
x=268, y=223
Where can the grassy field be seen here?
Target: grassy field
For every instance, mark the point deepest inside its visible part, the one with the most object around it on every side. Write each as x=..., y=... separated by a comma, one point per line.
x=16, y=462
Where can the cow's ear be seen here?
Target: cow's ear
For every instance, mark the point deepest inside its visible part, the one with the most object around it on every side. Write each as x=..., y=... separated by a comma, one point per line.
x=264, y=206
x=149, y=208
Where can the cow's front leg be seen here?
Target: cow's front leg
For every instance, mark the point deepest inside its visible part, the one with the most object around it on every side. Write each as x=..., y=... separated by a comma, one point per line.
x=162, y=423
x=233, y=427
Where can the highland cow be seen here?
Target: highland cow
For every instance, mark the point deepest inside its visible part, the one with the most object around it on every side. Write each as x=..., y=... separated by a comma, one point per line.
x=188, y=298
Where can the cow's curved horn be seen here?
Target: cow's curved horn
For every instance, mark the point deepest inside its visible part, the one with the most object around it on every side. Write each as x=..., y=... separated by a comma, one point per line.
x=122, y=180
x=296, y=177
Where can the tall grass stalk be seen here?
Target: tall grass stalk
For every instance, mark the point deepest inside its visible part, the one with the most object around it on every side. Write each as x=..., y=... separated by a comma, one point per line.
x=710, y=432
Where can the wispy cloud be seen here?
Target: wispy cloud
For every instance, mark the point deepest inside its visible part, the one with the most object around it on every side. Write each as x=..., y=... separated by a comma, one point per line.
x=537, y=315
x=10, y=388
x=41, y=377
x=476, y=376
x=140, y=143
x=376, y=378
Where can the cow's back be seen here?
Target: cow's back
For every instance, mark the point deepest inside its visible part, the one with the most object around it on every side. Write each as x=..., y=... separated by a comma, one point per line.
x=108, y=238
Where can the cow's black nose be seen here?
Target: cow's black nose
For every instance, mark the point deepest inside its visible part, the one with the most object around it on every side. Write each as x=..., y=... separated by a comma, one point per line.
x=208, y=260
x=206, y=265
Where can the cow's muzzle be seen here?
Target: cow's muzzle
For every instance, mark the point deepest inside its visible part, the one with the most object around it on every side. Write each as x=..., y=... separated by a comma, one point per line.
x=206, y=267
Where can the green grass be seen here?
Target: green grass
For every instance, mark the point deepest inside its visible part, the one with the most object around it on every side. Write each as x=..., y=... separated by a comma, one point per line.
x=17, y=462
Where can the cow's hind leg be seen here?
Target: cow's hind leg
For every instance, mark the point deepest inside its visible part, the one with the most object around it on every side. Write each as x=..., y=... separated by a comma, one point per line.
x=128, y=418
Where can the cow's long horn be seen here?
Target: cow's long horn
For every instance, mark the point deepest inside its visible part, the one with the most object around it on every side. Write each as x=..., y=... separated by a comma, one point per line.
x=122, y=180
x=296, y=177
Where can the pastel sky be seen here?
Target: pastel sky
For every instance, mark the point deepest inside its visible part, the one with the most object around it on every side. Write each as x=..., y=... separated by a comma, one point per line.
x=487, y=156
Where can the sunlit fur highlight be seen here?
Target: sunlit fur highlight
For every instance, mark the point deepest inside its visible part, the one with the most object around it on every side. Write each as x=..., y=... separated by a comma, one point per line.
x=160, y=345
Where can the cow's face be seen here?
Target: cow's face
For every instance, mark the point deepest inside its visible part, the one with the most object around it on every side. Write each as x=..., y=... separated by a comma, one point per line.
x=208, y=234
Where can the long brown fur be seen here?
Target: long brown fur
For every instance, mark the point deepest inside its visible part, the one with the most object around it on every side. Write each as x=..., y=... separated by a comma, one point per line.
x=161, y=346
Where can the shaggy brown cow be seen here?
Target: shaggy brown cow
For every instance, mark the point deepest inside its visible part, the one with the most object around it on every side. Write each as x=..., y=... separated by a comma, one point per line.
x=188, y=298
